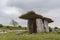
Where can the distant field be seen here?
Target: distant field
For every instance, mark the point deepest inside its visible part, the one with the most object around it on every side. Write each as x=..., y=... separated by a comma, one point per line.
x=26, y=36
x=15, y=28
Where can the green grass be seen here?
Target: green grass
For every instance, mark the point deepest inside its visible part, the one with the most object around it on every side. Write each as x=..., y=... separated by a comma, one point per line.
x=26, y=36
x=14, y=28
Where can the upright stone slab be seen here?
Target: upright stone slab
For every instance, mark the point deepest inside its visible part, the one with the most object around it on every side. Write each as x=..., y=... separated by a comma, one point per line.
x=39, y=24
x=46, y=26
x=32, y=26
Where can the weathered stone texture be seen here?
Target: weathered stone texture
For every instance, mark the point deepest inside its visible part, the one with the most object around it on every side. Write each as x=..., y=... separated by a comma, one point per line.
x=39, y=24
x=32, y=26
x=46, y=26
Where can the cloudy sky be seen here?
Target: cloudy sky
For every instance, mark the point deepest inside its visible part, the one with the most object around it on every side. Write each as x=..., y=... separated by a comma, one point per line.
x=12, y=9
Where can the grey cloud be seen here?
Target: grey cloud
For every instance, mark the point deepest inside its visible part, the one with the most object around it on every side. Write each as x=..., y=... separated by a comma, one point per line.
x=38, y=4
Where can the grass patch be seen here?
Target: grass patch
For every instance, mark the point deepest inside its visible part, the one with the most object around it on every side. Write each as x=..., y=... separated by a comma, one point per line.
x=15, y=28
x=27, y=36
